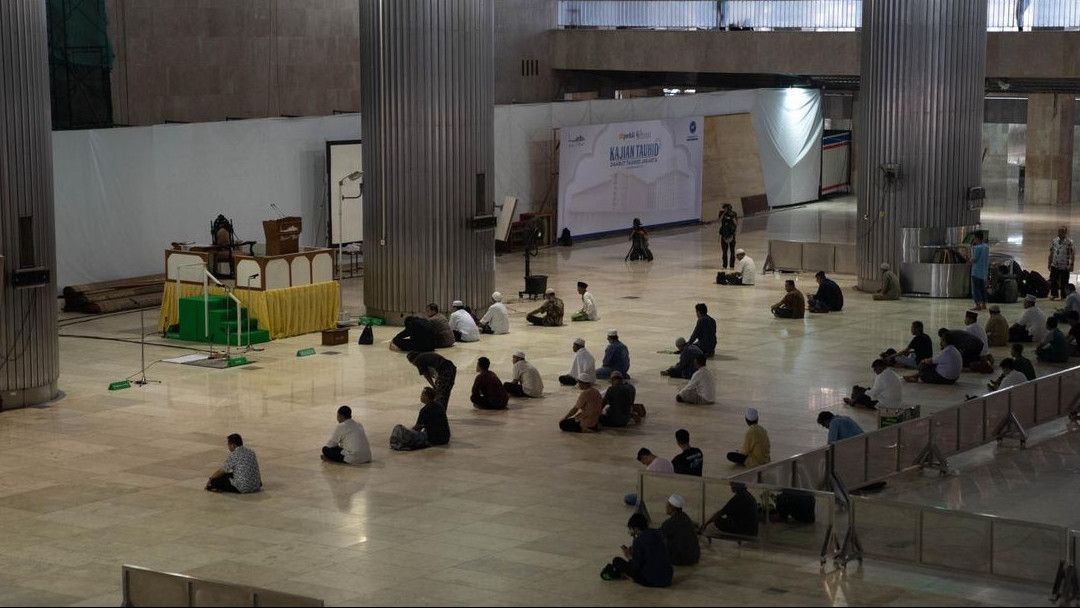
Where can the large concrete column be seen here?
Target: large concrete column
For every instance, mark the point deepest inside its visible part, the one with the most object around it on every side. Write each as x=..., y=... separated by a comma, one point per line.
x=30, y=364
x=1050, y=121
x=427, y=108
x=921, y=109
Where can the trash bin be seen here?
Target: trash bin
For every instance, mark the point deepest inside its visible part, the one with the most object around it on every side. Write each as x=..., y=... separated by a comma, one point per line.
x=536, y=284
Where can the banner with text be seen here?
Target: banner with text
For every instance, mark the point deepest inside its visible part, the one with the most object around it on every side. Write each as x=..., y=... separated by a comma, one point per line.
x=610, y=174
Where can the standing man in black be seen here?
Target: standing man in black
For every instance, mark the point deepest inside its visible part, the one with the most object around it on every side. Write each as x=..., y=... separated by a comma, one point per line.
x=729, y=224
x=439, y=371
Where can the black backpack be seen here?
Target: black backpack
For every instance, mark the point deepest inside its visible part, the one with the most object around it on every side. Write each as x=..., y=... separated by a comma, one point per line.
x=565, y=239
x=367, y=336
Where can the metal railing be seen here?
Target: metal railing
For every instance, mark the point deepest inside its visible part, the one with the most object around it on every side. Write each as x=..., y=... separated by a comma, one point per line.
x=803, y=15
x=146, y=587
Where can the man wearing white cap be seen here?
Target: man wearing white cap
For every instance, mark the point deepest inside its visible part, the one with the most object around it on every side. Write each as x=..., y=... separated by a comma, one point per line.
x=584, y=417
x=526, y=379
x=583, y=364
x=616, y=357
x=681, y=533
x=463, y=324
x=755, y=448
x=1031, y=326
x=550, y=313
x=497, y=319
x=890, y=285
x=744, y=272
x=701, y=389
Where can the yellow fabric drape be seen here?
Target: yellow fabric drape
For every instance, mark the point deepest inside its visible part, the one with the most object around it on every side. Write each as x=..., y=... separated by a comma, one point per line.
x=291, y=311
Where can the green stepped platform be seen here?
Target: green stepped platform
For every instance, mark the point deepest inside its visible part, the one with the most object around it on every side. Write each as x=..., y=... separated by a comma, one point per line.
x=223, y=328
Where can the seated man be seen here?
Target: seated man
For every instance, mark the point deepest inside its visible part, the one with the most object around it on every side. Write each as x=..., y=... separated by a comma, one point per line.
x=997, y=328
x=647, y=561
x=488, y=392
x=653, y=463
x=497, y=319
x=685, y=367
x=1031, y=327
x=792, y=305
x=584, y=417
x=526, y=379
x=971, y=318
x=886, y=392
x=431, y=428
x=1054, y=347
x=417, y=337
x=349, y=443
x=550, y=313
x=689, y=460
x=616, y=357
x=583, y=363
x=890, y=285
x=840, y=427
x=701, y=389
x=1072, y=301
x=920, y=348
x=680, y=533
x=462, y=324
x=745, y=272
x=439, y=371
x=588, y=310
x=739, y=517
x=1021, y=363
x=704, y=336
x=240, y=473
x=829, y=297
x=444, y=334
x=1009, y=376
x=943, y=369
x=618, y=403
x=755, y=448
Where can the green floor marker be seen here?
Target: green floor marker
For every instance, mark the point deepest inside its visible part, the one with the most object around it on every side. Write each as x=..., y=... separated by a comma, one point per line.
x=305, y=352
x=234, y=361
x=118, y=386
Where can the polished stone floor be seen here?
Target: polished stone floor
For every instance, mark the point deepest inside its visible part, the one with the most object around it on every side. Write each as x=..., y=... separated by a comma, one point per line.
x=513, y=511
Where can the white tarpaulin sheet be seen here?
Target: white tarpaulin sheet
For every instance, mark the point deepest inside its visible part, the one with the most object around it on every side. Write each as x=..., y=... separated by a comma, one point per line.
x=610, y=174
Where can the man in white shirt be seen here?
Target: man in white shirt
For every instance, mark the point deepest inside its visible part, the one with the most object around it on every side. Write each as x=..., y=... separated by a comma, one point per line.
x=971, y=320
x=583, y=364
x=588, y=310
x=701, y=389
x=349, y=442
x=463, y=324
x=526, y=379
x=1072, y=300
x=1009, y=376
x=744, y=273
x=886, y=393
x=1031, y=326
x=943, y=369
x=653, y=463
x=497, y=319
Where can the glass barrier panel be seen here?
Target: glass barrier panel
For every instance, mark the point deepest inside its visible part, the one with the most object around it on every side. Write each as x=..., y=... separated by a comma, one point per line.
x=882, y=446
x=776, y=474
x=221, y=594
x=1022, y=403
x=887, y=529
x=849, y=461
x=810, y=470
x=1047, y=395
x=914, y=436
x=1026, y=551
x=1070, y=390
x=146, y=588
x=717, y=494
x=944, y=428
x=658, y=487
x=997, y=408
x=971, y=424
x=957, y=541
x=798, y=519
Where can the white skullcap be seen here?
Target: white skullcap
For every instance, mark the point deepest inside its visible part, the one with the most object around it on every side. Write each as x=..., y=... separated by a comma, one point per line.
x=751, y=414
x=549, y=292
x=458, y=304
x=519, y=355
x=496, y=296
x=740, y=251
x=579, y=341
x=884, y=266
x=611, y=333
x=676, y=501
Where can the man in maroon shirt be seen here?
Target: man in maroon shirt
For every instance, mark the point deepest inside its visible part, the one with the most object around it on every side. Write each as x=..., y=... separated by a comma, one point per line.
x=488, y=392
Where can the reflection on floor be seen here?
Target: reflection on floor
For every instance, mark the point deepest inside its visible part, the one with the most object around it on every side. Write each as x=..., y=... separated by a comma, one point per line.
x=512, y=512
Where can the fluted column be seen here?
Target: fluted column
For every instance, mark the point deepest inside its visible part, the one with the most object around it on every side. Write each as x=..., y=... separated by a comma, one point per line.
x=427, y=95
x=921, y=107
x=30, y=364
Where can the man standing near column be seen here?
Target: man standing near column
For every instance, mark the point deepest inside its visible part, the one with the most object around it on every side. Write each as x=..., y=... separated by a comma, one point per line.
x=980, y=269
x=1060, y=262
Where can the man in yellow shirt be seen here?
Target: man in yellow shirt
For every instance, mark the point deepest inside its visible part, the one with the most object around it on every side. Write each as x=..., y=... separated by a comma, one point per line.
x=755, y=449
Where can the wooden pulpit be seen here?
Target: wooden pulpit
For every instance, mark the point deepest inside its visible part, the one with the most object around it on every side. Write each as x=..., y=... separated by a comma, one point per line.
x=282, y=235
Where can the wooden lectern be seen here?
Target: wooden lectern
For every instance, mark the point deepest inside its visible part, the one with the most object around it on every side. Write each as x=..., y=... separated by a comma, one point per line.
x=282, y=236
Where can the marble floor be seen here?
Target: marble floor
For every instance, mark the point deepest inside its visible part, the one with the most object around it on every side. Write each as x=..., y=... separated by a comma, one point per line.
x=513, y=511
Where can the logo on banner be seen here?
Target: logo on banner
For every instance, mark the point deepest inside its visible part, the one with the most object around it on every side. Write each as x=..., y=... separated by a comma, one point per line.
x=693, y=131
x=577, y=142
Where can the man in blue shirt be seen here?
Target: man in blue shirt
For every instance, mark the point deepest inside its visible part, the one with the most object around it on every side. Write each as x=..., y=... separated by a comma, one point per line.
x=616, y=357
x=840, y=427
x=980, y=269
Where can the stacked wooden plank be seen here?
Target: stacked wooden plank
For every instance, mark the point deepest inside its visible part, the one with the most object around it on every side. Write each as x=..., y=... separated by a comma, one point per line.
x=115, y=296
